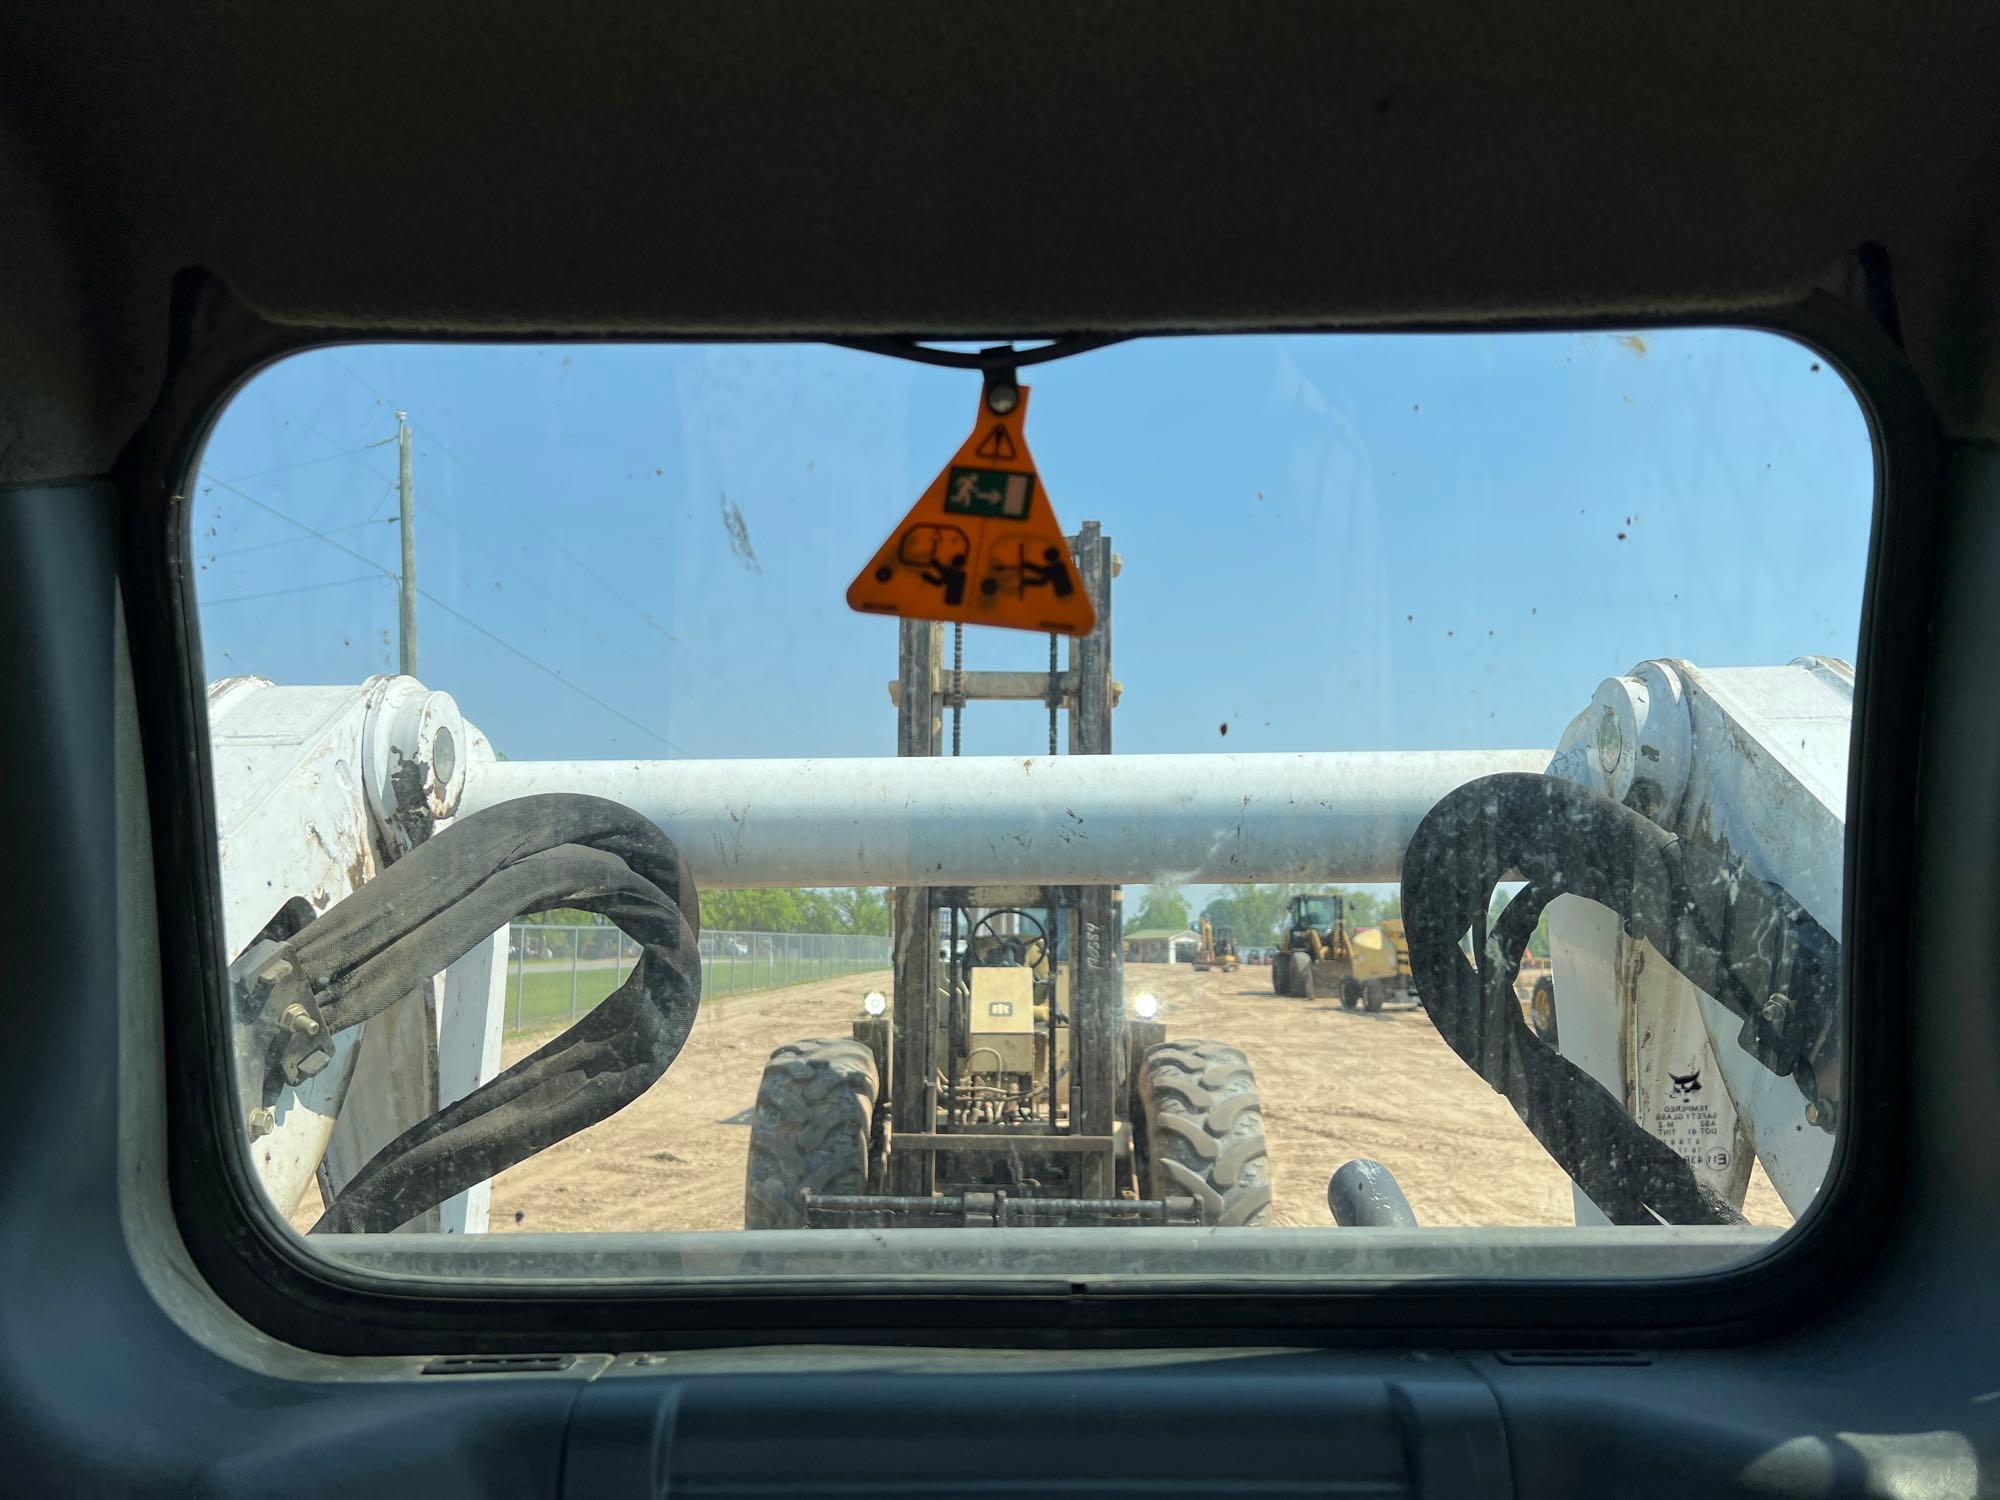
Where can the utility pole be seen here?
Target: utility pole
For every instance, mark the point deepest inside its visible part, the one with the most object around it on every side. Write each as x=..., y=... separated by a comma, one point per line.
x=406, y=607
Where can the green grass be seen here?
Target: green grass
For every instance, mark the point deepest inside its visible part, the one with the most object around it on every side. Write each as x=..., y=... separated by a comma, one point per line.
x=546, y=1000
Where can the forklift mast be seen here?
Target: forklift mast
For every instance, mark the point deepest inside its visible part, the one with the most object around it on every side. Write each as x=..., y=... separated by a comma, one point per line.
x=927, y=684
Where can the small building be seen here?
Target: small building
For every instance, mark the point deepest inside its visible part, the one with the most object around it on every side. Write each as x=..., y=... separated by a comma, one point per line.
x=1161, y=945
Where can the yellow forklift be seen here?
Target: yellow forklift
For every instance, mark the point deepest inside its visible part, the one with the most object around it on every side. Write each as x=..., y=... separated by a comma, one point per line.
x=1006, y=1080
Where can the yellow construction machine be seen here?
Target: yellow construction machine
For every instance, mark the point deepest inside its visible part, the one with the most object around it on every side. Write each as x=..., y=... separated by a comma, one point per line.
x=1217, y=951
x=1315, y=954
x=1382, y=965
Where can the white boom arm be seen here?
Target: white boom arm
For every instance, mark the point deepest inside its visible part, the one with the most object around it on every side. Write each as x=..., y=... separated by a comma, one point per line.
x=1751, y=761
x=318, y=788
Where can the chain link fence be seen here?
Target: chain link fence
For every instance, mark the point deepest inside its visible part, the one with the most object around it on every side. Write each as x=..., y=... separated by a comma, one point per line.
x=557, y=971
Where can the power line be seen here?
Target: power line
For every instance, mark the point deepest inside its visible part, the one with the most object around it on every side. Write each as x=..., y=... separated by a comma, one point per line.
x=504, y=644
x=519, y=572
x=341, y=450
x=582, y=619
x=589, y=572
x=390, y=485
x=306, y=463
x=303, y=588
x=644, y=618
x=585, y=568
x=295, y=521
x=526, y=519
x=293, y=541
x=673, y=641
x=473, y=624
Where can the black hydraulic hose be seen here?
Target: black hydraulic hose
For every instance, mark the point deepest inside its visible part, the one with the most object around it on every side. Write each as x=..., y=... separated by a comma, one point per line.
x=1735, y=936
x=451, y=893
x=1365, y=1195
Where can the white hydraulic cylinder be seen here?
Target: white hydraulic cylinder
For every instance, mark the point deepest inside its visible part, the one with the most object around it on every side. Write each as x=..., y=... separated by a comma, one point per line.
x=1015, y=820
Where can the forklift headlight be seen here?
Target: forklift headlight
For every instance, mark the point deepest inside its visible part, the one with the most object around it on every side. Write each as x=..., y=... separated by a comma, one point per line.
x=1145, y=1007
x=874, y=1002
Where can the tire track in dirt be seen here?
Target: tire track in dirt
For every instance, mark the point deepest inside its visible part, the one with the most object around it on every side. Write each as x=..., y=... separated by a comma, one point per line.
x=1335, y=1084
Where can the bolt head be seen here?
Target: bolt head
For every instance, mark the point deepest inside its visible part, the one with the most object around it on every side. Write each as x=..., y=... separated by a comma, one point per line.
x=1001, y=399
x=1778, y=1009
x=262, y=1122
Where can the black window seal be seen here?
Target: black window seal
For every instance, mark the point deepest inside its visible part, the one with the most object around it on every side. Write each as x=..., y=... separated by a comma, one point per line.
x=256, y=1266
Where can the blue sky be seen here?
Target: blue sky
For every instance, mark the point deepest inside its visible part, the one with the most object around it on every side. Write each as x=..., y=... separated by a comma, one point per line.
x=1329, y=542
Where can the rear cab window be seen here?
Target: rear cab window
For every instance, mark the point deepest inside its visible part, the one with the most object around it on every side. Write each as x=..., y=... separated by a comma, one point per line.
x=1241, y=806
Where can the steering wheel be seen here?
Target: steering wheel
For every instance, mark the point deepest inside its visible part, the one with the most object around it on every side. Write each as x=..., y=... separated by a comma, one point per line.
x=1013, y=943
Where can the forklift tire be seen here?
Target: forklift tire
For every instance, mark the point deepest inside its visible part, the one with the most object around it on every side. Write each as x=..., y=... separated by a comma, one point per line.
x=809, y=1131
x=1280, y=962
x=1205, y=1131
x=1542, y=1009
x=1351, y=993
x=1302, y=976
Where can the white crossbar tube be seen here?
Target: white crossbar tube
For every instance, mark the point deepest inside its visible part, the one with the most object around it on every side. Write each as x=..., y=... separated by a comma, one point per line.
x=1009, y=820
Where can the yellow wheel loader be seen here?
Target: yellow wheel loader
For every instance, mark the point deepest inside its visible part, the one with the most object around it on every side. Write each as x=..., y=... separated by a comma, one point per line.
x=1315, y=953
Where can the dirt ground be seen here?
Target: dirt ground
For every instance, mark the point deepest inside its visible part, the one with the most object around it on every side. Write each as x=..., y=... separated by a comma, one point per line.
x=1335, y=1084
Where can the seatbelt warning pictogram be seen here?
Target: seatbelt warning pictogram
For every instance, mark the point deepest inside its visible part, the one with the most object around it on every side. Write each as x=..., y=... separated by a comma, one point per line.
x=981, y=545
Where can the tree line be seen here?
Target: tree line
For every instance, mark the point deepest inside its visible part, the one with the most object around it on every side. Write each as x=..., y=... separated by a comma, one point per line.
x=1255, y=914
x=851, y=909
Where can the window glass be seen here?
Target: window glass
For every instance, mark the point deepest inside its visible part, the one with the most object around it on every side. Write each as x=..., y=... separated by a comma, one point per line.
x=1419, y=837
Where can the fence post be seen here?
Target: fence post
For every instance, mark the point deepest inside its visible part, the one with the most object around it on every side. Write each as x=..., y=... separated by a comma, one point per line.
x=520, y=972
x=572, y=970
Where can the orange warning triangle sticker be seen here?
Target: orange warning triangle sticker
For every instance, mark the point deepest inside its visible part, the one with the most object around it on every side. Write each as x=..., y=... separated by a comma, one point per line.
x=981, y=545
